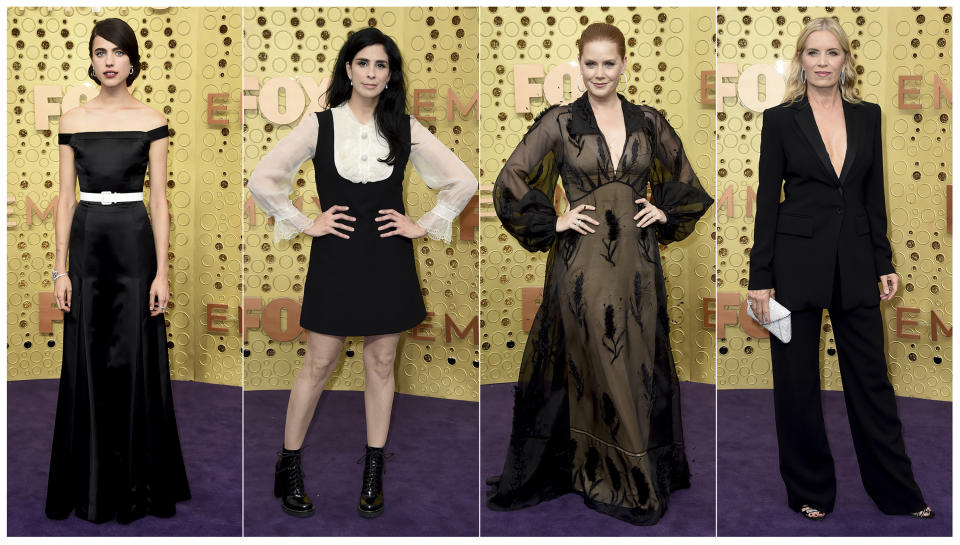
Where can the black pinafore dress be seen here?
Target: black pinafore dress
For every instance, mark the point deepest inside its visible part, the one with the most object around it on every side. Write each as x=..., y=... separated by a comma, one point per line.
x=364, y=285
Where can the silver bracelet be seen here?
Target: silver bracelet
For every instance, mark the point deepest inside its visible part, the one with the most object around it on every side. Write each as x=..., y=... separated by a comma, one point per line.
x=57, y=275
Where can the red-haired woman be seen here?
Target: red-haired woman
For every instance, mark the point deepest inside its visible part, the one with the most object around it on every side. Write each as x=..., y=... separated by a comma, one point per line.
x=597, y=409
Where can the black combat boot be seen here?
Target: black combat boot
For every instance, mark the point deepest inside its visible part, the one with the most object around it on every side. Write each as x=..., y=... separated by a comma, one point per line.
x=288, y=484
x=371, y=495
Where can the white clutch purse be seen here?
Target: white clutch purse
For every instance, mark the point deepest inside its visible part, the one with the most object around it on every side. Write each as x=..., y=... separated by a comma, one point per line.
x=779, y=324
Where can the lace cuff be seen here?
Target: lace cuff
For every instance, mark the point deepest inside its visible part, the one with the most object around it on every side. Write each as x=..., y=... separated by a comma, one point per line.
x=272, y=181
x=441, y=170
x=289, y=223
x=439, y=222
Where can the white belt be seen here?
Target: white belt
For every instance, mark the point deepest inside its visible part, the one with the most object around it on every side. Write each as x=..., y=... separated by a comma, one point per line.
x=109, y=197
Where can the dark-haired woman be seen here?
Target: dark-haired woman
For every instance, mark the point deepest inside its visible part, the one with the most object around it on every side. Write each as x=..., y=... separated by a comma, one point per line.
x=116, y=451
x=362, y=278
x=597, y=406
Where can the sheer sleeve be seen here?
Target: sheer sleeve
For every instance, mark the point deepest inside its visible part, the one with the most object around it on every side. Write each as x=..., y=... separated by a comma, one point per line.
x=441, y=169
x=523, y=192
x=272, y=180
x=675, y=187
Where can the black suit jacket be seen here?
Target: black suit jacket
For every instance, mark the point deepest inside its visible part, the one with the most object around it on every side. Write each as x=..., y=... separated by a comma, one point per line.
x=824, y=221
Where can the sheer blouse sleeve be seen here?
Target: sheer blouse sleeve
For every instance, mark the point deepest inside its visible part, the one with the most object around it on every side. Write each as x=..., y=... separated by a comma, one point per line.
x=674, y=185
x=523, y=192
x=440, y=169
x=272, y=180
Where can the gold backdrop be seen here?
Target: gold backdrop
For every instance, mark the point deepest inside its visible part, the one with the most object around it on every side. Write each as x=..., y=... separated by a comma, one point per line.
x=439, y=48
x=188, y=54
x=667, y=52
x=887, y=43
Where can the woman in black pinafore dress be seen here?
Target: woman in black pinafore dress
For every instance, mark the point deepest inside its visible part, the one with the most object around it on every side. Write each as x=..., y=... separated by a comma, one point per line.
x=362, y=278
x=336, y=262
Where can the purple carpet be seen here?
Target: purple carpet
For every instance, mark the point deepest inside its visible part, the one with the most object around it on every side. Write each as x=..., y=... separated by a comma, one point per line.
x=208, y=416
x=691, y=511
x=753, y=494
x=430, y=485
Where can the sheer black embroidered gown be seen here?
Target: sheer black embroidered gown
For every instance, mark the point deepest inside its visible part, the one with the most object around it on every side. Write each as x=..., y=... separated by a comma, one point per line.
x=597, y=404
x=116, y=451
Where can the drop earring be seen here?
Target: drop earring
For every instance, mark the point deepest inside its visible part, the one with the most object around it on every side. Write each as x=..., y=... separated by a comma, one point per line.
x=843, y=76
x=91, y=73
x=131, y=70
x=803, y=75
x=386, y=85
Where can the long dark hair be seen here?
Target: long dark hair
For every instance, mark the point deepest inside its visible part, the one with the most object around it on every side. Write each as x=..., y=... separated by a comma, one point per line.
x=391, y=110
x=119, y=33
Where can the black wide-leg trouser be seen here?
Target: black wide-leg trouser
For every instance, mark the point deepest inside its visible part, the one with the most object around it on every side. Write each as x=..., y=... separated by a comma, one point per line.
x=805, y=460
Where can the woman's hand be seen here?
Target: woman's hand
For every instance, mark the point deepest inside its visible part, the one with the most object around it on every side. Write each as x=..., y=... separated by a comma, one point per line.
x=575, y=218
x=759, y=301
x=401, y=225
x=649, y=214
x=159, y=295
x=62, y=292
x=327, y=223
x=889, y=283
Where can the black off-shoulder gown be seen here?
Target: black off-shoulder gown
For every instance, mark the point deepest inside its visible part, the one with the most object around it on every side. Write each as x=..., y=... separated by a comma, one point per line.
x=116, y=451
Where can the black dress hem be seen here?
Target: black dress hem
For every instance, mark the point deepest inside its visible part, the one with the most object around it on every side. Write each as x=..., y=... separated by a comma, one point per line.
x=164, y=511
x=633, y=516
x=354, y=333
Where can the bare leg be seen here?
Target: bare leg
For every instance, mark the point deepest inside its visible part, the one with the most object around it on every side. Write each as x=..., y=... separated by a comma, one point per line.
x=379, y=357
x=323, y=353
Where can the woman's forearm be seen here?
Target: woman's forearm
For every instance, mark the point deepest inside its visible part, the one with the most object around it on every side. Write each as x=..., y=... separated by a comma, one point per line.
x=159, y=209
x=160, y=218
x=66, y=204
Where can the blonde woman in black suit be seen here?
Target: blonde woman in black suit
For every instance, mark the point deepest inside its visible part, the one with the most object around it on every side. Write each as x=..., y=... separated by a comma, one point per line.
x=825, y=246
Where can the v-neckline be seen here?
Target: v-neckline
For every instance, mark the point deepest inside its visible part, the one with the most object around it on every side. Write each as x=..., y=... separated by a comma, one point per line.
x=846, y=136
x=606, y=143
x=615, y=165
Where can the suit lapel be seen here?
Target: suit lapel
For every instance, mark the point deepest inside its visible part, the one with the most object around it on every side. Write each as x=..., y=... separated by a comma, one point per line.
x=808, y=126
x=854, y=122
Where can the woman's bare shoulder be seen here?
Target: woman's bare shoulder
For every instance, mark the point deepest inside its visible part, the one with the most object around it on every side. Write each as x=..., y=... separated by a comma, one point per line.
x=72, y=120
x=148, y=118
x=92, y=116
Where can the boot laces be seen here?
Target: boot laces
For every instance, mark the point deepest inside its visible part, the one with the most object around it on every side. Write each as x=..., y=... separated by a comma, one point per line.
x=373, y=470
x=294, y=471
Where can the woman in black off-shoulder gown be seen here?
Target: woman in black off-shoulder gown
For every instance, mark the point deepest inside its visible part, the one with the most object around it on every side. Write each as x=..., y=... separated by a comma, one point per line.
x=116, y=451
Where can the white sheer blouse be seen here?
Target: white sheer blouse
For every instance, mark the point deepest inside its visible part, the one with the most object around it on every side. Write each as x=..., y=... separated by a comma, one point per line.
x=357, y=148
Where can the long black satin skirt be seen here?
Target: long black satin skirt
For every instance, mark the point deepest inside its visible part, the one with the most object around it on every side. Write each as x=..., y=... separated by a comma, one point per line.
x=116, y=451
